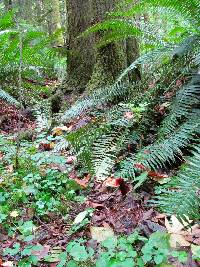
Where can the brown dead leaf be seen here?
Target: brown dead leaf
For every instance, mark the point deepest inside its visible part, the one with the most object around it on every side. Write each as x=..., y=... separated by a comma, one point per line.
x=60, y=130
x=101, y=233
x=128, y=115
x=45, y=146
x=1, y=156
x=156, y=176
x=94, y=205
x=111, y=182
x=83, y=182
x=178, y=240
x=160, y=216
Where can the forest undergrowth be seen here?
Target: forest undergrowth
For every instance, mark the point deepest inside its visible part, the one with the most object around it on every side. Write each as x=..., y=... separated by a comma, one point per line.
x=108, y=178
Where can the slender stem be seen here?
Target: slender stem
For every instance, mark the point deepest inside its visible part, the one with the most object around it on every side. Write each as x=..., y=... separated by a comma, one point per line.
x=21, y=96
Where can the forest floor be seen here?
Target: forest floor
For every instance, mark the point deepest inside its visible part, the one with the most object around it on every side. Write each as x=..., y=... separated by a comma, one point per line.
x=39, y=218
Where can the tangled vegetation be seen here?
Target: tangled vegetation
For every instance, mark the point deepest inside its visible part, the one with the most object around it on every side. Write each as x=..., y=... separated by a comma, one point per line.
x=113, y=179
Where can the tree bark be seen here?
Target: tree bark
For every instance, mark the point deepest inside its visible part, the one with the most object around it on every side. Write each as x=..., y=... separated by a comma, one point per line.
x=89, y=67
x=8, y=4
x=81, y=55
x=52, y=7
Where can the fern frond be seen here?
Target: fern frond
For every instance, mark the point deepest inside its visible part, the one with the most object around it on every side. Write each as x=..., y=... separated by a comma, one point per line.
x=181, y=195
x=124, y=27
x=164, y=153
x=119, y=90
x=8, y=98
x=98, y=98
x=61, y=145
x=184, y=106
x=82, y=143
x=43, y=119
x=152, y=58
x=105, y=151
x=189, y=9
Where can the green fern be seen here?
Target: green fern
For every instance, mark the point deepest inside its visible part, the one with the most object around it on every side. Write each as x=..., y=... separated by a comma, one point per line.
x=180, y=127
x=181, y=195
x=8, y=98
x=105, y=152
x=189, y=9
x=184, y=106
x=101, y=97
x=166, y=152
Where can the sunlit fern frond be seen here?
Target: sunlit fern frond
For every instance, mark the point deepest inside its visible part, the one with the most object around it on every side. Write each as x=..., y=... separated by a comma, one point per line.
x=151, y=59
x=61, y=145
x=83, y=143
x=43, y=116
x=8, y=98
x=189, y=9
x=105, y=152
x=101, y=97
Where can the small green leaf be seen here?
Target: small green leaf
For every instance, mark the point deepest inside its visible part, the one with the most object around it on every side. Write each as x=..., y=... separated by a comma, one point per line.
x=29, y=238
x=103, y=261
x=147, y=257
x=12, y=251
x=2, y=217
x=63, y=259
x=196, y=252
x=110, y=243
x=140, y=262
x=71, y=264
x=158, y=259
x=121, y=255
x=182, y=256
x=78, y=252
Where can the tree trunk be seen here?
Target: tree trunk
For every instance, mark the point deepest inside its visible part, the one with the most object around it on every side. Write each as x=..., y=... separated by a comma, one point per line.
x=8, y=4
x=89, y=67
x=54, y=20
x=81, y=55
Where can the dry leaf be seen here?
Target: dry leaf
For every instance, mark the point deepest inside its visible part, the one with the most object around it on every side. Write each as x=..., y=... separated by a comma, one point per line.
x=101, y=233
x=128, y=115
x=14, y=214
x=59, y=130
x=178, y=240
x=80, y=217
x=111, y=182
x=83, y=182
x=1, y=156
x=7, y=264
x=175, y=226
x=10, y=168
x=177, y=233
x=157, y=175
x=70, y=159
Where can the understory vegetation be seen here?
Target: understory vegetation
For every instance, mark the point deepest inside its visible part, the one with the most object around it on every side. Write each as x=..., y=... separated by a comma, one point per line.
x=109, y=177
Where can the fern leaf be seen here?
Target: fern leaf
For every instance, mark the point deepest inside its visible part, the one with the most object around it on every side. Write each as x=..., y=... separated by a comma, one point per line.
x=8, y=98
x=181, y=195
x=101, y=96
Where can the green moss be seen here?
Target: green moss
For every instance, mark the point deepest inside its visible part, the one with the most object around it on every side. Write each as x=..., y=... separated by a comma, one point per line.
x=111, y=60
